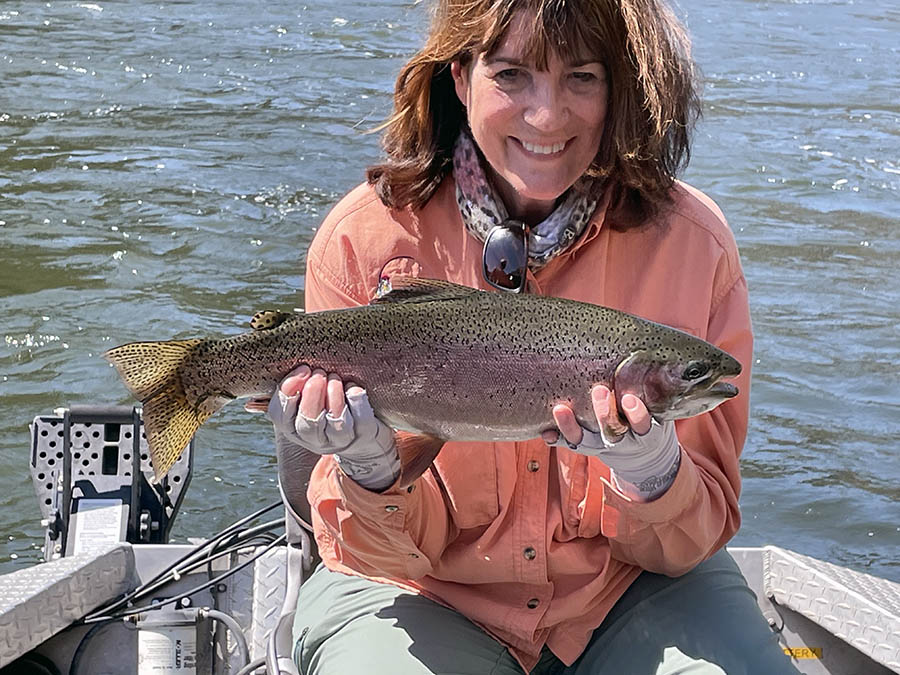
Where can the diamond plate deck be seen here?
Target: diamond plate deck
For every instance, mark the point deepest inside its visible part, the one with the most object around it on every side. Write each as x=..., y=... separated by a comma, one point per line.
x=861, y=609
x=37, y=602
x=269, y=582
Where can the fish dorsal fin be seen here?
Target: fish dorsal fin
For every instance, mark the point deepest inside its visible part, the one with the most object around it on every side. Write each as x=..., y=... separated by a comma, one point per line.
x=269, y=318
x=413, y=289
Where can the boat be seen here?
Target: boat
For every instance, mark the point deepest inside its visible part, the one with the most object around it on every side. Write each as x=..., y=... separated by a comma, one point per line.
x=115, y=597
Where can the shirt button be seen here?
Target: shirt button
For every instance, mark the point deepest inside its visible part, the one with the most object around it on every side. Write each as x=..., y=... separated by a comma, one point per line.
x=529, y=553
x=533, y=466
x=390, y=508
x=413, y=555
x=411, y=488
x=533, y=603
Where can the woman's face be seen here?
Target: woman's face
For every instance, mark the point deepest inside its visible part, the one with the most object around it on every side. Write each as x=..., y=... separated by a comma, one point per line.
x=538, y=129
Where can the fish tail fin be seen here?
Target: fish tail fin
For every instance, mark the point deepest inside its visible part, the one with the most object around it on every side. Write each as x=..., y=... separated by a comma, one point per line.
x=417, y=452
x=151, y=371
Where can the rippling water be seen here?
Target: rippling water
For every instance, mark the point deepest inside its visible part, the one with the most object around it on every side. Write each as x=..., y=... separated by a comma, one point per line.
x=164, y=166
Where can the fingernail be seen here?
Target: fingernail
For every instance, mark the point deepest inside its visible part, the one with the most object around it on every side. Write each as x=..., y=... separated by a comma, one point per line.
x=603, y=401
x=303, y=371
x=629, y=402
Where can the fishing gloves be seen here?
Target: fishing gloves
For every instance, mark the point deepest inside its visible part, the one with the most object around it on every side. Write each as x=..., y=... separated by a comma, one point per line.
x=648, y=462
x=362, y=444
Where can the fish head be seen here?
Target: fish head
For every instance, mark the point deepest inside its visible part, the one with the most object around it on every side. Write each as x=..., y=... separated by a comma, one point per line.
x=680, y=378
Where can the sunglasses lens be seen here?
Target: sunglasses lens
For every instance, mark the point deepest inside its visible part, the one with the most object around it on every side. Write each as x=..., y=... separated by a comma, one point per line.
x=505, y=257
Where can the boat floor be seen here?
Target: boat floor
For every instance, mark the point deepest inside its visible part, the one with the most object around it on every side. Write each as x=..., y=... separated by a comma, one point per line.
x=830, y=619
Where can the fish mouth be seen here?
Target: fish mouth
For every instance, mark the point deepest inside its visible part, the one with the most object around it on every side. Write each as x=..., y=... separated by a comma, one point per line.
x=699, y=399
x=723, y=389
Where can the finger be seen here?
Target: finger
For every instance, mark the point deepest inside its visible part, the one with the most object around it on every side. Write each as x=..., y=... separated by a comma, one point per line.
x=567, y=424
x=339, y=429
x=257, y=405
x=367, y=425
x=550, y=436
x=637, y=414
x=312, y=398
x=335, y=395
x=293, y=384
x=604, y=404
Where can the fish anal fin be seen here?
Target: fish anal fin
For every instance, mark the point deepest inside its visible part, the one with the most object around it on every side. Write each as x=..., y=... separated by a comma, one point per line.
x=169, y=422
x=414, y=289
x=269, y=318
x=417, y=452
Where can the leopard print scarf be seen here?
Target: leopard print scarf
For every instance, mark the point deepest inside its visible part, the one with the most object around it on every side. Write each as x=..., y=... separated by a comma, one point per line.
x=481, y=207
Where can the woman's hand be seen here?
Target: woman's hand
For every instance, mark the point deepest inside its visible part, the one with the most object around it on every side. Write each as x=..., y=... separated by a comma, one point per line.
x=314, y=410
x=606, y=410
x=644, y=454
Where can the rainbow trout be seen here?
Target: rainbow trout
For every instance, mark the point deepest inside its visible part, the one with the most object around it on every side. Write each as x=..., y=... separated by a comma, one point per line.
x=439, y=361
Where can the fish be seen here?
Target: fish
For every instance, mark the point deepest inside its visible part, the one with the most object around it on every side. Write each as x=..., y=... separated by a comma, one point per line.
x=439, y=361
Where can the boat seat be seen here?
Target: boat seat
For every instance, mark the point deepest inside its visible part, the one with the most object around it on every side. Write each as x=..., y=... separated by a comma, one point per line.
x=295, y=464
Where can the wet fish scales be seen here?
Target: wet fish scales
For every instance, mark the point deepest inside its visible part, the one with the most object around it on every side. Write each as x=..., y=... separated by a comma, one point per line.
x=440, y=360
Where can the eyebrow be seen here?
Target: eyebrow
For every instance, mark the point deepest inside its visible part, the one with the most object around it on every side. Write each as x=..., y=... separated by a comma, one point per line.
x=513, y=61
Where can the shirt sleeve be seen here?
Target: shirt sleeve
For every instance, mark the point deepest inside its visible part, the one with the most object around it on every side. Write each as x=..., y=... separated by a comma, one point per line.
x=699, y=512
x=400, y=532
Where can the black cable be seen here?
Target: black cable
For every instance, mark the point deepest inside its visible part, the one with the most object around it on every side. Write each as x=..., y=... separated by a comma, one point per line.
x=213, y=541
x=83, y=643
x=197, y=551
x=138, y=610
x=256, y=529
x=184, y=570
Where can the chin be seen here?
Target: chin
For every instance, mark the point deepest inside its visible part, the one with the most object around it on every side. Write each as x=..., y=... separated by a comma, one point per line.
x=540, y=192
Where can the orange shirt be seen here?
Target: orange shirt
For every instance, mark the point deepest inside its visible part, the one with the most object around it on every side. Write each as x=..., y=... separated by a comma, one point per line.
x=533, y=543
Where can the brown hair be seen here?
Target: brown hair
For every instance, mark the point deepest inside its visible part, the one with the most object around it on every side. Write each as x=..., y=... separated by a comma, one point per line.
x=653, y=99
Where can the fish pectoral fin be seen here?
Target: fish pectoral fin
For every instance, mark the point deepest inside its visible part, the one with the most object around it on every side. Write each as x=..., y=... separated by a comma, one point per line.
x=417, y=452
x=414, y=289
x=269, y=318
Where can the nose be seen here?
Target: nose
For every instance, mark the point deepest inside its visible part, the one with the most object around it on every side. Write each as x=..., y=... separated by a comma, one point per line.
x=547, y=109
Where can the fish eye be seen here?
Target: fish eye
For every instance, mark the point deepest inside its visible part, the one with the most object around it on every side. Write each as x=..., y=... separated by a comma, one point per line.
x=695, y=370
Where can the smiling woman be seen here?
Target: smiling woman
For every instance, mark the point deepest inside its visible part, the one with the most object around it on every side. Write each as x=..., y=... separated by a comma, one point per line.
x=638, y=52
x=538, y=129
x=533, y=148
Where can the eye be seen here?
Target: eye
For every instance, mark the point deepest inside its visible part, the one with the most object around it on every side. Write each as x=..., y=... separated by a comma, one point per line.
x=584, y=76
x=508, y=75
x=695, y=370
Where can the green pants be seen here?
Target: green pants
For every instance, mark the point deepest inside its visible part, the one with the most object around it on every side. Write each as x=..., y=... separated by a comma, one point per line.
x=706, y=622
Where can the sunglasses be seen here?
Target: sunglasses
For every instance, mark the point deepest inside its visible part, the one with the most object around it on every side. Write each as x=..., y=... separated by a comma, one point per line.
x=504, y=261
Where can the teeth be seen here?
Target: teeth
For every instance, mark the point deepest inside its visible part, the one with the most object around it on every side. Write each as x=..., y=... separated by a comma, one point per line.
x=543, y=149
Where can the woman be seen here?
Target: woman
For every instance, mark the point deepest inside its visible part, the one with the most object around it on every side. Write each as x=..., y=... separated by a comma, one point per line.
x=578, y=552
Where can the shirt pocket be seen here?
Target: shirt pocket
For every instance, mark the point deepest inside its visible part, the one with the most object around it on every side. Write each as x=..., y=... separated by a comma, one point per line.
x=468, y=474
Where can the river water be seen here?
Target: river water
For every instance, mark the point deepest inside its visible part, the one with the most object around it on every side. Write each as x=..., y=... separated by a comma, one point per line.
x=163, y=167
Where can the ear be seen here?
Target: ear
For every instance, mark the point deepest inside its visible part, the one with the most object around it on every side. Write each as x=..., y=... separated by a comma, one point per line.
x=460, y=76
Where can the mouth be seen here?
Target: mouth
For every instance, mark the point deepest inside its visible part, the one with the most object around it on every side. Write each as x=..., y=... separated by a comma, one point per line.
x=699, y=400
x=542, y=149
x=723, y=389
